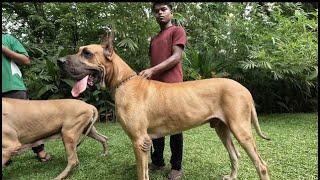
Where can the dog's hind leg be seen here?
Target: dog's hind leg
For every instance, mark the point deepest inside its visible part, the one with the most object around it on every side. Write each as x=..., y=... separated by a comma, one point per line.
x=70, y=139
x=225, y=135
x=101, y=138
x=242, y=132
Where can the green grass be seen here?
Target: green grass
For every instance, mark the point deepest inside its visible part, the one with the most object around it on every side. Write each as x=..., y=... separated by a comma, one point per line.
x=291, y=154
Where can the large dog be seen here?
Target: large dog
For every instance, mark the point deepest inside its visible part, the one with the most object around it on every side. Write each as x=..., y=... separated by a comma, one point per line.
x=150, y=109
x=26, y=123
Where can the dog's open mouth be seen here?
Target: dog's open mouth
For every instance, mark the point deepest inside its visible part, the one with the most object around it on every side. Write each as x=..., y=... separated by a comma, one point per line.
x=81, y=85
x=84, y=75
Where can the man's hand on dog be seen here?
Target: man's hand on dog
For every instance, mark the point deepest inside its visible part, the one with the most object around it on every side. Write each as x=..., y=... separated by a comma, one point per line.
x=147, y=73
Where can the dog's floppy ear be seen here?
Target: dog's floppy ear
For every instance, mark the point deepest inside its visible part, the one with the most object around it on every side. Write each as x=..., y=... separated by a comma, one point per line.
x=107, y=44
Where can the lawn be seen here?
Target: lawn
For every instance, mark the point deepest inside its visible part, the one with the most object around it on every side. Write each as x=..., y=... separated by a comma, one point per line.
x=291, y=154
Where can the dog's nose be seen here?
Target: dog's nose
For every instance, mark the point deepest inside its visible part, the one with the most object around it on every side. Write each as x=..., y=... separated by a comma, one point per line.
x=61, y=61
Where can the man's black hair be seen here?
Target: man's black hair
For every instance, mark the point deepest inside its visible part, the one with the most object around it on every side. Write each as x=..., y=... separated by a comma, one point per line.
x=169, y=4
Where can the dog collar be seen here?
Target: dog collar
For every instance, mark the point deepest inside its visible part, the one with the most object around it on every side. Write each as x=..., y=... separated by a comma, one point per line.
x=124, y=81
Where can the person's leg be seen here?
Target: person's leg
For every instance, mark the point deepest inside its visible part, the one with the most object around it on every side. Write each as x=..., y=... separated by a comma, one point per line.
x=157, y=154
x=176, y=146
x=42, y=155
x=39, y=150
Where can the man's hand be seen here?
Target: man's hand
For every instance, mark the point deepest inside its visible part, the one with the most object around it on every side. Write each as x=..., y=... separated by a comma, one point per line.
x=147, y=73
x=173, y=60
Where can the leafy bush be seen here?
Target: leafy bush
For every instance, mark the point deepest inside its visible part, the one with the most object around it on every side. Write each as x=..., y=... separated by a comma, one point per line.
x=271, y=48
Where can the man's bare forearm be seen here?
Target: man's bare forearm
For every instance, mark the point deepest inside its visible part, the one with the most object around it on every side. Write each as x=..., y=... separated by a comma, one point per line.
x=16, y=57
x=174, y=59
x=167, y=64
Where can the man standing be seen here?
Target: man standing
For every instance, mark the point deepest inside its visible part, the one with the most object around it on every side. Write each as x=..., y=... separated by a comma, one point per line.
x=166, y=50
x=14, y=53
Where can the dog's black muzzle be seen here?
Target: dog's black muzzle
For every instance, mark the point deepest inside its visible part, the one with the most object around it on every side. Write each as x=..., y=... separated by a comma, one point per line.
x=76, y=69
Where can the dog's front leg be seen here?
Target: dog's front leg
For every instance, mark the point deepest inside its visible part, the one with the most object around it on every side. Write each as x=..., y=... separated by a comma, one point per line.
x=141, y=148
x=5, y=156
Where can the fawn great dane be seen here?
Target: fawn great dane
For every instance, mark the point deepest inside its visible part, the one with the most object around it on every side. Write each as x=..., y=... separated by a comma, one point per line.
x=150, y=109
x=27, y=123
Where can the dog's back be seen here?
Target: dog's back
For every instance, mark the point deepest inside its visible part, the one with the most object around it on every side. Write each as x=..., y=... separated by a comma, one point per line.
x=37, y=119
x=26, y=123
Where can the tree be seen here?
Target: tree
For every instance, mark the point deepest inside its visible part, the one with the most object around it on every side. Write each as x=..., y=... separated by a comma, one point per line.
x=271, y=48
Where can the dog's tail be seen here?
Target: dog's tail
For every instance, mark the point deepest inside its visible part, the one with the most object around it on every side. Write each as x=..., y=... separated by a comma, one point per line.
x=255, y=121
x=93, y=120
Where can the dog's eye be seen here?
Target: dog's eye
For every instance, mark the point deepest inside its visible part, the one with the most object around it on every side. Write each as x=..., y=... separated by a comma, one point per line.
x=87, y=54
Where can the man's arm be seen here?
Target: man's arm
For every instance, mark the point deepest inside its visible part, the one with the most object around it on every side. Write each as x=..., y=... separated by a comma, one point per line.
x=174, y=59
x=16, y=57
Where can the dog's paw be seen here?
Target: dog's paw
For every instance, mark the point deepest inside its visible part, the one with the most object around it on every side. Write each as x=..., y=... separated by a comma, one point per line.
x=104, y=154
x=227, y=177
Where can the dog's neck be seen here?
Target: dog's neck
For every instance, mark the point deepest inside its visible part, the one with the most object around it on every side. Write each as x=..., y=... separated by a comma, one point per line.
x=120, y=74
x=124, y=81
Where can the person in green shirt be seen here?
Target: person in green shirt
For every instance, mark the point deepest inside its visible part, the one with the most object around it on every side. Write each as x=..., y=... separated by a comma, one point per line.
x=14, y=53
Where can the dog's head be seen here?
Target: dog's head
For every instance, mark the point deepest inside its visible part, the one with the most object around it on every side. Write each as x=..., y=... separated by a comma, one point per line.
x=89, y=65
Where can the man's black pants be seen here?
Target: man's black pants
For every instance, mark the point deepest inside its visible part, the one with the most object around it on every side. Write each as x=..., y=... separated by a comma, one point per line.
x=176, y=146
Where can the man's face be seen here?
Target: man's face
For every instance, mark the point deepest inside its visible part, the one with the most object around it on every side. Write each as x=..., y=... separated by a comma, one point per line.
x=162, y=13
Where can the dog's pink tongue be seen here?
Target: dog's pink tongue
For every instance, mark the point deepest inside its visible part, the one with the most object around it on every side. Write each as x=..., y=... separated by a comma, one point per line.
x=79, y=86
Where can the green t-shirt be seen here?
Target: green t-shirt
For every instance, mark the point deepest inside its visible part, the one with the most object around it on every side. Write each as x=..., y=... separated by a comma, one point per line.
x=11, y=74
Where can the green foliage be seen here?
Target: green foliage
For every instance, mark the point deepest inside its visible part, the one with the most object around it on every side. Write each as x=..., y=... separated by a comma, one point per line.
x=270, y=48
x=272, y=53
x=284, y=51
x=43, y=75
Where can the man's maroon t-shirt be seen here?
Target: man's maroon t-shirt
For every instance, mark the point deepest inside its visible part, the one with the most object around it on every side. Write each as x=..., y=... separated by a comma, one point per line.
x=161, y=49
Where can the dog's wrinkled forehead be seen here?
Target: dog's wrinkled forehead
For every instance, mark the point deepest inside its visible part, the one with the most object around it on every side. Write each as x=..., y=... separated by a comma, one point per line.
x=93, y=48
